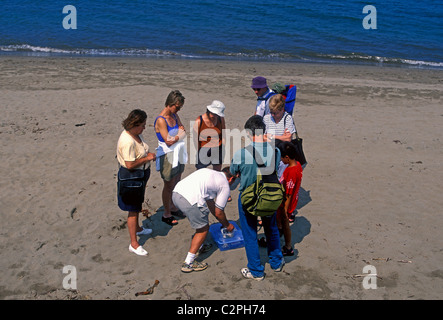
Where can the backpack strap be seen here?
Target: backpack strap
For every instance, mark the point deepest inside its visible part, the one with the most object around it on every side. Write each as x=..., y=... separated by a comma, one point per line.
x=257, y=158
x=201, y=122
x=270, y=94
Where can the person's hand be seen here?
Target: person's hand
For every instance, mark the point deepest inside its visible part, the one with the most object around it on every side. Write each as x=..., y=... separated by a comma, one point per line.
x=230, y=227
x=171, y=140
x=181, y=132
x=150, y=156
x=287, y=134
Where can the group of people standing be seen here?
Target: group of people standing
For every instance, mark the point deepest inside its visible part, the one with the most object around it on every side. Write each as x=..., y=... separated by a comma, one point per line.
x=207, y=190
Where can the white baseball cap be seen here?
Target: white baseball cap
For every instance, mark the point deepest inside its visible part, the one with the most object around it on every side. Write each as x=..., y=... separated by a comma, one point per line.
x=217, y=107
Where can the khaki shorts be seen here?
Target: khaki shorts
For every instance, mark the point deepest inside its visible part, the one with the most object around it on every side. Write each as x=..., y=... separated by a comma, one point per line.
x=167, y=172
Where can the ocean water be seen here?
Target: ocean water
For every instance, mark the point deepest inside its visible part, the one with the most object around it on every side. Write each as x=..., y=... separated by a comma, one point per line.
x=394, y=33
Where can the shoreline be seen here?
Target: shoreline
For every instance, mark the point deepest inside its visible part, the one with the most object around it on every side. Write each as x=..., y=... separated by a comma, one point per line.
x=370, y=192
x=371, y=61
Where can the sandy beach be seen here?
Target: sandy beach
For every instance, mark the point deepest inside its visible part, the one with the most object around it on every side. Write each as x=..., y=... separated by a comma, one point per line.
x=371, y=193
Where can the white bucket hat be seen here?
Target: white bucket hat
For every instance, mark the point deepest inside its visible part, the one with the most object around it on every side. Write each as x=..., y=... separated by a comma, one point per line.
x=217, y=107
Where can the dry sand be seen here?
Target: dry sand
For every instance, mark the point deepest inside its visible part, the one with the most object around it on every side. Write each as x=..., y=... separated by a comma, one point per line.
x=371, y=193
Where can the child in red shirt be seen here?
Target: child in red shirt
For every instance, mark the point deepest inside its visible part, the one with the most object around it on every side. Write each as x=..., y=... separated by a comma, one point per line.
x=291, y=180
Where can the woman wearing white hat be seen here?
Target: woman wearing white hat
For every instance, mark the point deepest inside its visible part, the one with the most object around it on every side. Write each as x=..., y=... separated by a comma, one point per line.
x=208, y=136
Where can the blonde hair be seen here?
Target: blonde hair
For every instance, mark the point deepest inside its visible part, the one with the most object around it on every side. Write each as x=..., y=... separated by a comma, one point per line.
x=276, y=102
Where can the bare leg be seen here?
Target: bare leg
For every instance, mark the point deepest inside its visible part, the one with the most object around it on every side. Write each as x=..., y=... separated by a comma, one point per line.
x=168, y=186
x=286, y=230
x=133, y=228
x=198, y=239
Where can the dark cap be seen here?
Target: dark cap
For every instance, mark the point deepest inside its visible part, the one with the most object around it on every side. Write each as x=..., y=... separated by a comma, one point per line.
x=259, y=82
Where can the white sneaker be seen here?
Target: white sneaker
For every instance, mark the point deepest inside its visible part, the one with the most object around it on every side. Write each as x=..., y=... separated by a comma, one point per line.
x=145, y=231
x=139, y=251
x=280, y=268
x=248, y=275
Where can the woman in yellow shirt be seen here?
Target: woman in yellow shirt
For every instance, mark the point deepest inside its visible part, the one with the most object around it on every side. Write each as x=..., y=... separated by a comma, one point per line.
x=133, y=154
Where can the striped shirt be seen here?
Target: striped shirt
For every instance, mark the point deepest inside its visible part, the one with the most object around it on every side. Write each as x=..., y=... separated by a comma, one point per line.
x=286, y=122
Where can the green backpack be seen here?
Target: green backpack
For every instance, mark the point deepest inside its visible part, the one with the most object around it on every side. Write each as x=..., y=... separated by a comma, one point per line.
x=264, y=196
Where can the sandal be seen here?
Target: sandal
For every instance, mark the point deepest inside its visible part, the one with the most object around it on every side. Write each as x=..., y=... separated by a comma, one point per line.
x=262, y=242
x=259, y=225
x=292, y=218
x=178, y=214
x=287, y=252
x=170, y=221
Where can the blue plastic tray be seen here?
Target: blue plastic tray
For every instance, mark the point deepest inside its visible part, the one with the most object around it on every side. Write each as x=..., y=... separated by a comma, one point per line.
x=236, y=241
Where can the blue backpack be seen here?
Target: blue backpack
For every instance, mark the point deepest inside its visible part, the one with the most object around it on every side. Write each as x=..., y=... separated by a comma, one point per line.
x=288, y=91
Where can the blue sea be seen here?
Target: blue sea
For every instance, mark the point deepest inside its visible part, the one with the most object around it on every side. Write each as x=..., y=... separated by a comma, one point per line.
x=387, y=33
